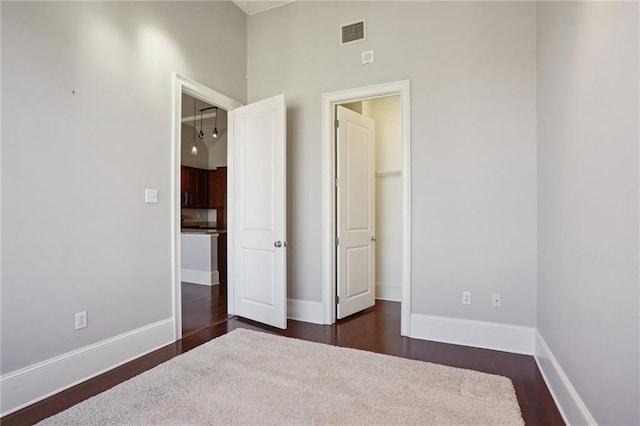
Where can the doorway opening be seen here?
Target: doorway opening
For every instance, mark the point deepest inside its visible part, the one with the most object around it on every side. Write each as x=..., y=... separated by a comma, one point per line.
x=392, y=173
x=368, y=146
x=200, y=211
x=203, y=214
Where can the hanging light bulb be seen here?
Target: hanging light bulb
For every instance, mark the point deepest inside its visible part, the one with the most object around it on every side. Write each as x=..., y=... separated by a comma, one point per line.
x=215, y=125
x=194, y=148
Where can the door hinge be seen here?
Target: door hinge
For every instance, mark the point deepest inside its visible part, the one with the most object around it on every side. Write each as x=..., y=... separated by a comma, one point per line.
x=337, y=300
x=337, y=123
x=337, y=182
x=337, y=241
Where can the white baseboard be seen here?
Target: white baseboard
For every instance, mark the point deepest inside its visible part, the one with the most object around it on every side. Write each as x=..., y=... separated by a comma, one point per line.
x=305, y=310
x=571, y=406
x=479, y=334
x=31, y=384
x=387, y=291
x=200, y=277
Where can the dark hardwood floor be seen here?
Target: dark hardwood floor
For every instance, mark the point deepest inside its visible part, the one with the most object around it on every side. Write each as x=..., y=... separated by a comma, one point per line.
x=202, y=306
x=376, y=329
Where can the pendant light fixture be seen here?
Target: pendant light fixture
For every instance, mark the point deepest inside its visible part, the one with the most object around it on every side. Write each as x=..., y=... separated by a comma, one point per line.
x=201, y=134
x=194, y=149
x=215, y=126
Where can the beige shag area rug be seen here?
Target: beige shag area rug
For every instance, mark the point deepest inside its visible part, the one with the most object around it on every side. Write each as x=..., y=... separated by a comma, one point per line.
x=247, y=377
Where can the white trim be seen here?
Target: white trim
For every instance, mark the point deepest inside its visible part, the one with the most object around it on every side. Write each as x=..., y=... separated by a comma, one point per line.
x=389, y=291
x=231, y=310
x=193, y=276
x=305, y=310
x=36, y=382
x=478, y=334
x=192, y=88
x=389, y=173
x=403, y=89
x=569, y=403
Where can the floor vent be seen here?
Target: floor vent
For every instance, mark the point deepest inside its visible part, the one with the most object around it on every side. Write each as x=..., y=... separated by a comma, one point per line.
x=352, y=32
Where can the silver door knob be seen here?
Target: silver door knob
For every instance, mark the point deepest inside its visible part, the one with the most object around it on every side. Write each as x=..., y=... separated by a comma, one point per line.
x=277, y=244
x=374, y=238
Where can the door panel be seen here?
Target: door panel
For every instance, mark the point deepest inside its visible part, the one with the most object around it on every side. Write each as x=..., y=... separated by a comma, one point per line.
x=357, y=176
x=258, y=160
x=262, y=264
x=357, y=271
x=355, y=212
x=259, y=222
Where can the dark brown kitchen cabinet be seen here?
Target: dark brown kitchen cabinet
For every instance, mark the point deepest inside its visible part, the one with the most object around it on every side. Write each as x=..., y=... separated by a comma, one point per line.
x=194, y=184
x=185, y=179
x=217, y=188
x=200, y=199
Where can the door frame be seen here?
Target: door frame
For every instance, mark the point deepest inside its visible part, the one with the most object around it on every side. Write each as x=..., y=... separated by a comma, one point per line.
x=329, y=101
x=200, y=91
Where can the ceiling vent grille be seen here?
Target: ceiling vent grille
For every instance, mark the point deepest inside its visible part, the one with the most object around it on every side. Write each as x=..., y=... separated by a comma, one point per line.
x=352, y=32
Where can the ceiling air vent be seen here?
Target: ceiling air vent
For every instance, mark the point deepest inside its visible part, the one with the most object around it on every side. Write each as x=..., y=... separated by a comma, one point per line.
x=352, y=32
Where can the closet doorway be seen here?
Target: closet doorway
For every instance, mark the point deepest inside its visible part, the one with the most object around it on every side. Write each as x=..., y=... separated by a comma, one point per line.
x=378, y=266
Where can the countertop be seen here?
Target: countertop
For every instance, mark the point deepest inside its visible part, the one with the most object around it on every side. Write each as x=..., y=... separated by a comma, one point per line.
x=199, y=231
x=201, y=228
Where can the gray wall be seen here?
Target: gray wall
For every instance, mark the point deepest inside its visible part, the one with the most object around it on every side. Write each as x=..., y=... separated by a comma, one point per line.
x=588, y=70
x=76, y=234
x=472, y=71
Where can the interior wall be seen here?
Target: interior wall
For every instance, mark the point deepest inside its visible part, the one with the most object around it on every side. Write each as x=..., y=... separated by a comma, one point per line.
x=96, y=79
x=207, y=158
x=218, y=148
x=354, y=106
x=588, y=230
x=388, y=118
x=473, y=138
x=200, y=161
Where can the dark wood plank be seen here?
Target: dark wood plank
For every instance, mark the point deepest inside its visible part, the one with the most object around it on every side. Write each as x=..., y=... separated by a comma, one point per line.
x=202, y=306
x=376, y=330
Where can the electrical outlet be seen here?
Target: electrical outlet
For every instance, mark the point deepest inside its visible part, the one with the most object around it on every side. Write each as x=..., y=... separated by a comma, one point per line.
x=466, y=297
x=497, y=300
x=81, y=320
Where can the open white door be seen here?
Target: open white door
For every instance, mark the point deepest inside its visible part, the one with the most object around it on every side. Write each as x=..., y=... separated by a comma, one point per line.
x=355, y=212
x=259, y=221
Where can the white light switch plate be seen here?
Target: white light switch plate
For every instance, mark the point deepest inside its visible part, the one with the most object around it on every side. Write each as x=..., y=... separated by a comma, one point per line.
x=150, y=196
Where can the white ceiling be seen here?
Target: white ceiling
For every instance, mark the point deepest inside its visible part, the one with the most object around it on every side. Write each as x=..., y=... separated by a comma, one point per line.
x=251, y=7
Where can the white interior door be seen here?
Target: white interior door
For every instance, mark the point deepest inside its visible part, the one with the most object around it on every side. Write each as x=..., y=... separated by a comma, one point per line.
x=355, y=212
x=259, y=221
